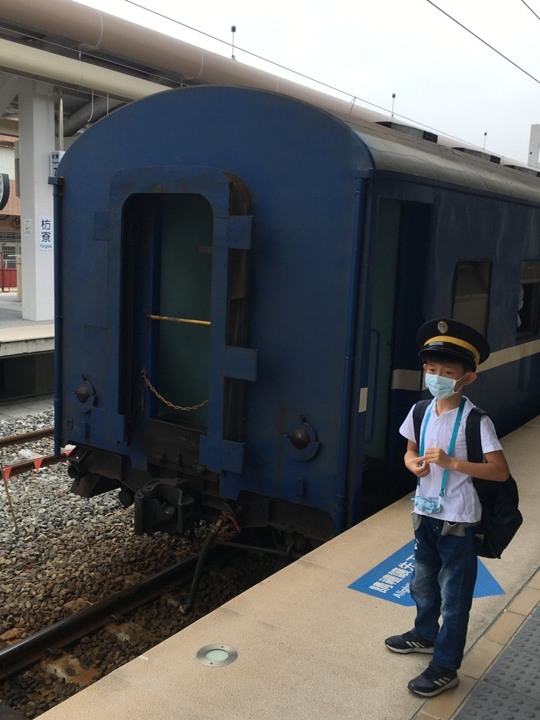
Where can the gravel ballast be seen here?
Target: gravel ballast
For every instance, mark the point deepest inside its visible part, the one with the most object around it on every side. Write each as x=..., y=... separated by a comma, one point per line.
x=63, y=547
x=59, y=552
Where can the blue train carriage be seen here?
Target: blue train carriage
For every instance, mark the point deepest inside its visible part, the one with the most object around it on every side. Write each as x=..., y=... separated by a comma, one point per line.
x=240, y=279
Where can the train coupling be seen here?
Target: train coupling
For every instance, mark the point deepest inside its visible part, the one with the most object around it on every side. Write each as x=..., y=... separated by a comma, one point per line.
x=163, y=505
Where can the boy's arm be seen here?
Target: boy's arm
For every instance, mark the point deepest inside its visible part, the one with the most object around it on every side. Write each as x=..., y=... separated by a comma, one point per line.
x=495, y=466
x=412, y=463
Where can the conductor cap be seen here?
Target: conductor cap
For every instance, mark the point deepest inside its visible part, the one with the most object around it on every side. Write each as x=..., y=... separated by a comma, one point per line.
x=452, y=338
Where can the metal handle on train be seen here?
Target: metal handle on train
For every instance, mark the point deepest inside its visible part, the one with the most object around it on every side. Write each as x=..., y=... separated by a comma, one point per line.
x=372, y=397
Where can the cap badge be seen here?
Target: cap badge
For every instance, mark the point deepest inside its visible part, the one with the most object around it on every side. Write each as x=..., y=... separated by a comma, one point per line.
x=442, y=327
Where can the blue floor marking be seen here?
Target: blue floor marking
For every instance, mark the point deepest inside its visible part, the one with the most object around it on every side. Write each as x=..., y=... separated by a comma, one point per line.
x=390, y=579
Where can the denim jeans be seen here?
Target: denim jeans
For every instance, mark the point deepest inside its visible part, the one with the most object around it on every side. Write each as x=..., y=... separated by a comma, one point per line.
x=443, y=585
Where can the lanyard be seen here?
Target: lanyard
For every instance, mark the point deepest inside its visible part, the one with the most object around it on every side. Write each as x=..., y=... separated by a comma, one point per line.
x=452, y=440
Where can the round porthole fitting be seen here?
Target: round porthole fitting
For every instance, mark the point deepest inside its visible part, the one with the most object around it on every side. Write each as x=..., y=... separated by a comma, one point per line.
x=217, y=655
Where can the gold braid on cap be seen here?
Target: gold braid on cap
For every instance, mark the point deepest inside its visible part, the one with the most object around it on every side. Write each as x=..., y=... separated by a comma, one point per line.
x=456, y=341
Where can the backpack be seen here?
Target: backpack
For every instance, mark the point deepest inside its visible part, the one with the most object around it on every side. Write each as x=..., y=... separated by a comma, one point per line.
x=501, y=517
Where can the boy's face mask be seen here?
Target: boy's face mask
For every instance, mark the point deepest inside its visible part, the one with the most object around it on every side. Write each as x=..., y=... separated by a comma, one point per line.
x=441, y=387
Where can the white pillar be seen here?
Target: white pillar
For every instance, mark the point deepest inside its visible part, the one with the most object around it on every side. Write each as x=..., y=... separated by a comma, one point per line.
x=534, y=146
x=37, y=141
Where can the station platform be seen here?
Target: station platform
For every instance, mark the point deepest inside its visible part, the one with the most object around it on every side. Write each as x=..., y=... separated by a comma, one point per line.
x=26, y=352
x=18, y=336
x=14, y=409
x=308, y=642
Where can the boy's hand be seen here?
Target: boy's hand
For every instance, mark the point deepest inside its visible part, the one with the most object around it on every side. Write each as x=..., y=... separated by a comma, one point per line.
x=494, y=466
x=439, y=457
x=418, y=466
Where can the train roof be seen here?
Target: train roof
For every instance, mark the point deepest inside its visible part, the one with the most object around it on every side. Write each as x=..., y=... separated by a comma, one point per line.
x=393, y=148
x=411, y=151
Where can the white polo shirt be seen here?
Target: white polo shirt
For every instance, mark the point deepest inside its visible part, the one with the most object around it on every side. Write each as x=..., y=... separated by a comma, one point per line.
x=460, y=502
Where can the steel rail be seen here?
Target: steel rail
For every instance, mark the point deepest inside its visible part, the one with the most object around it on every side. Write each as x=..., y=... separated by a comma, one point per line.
x=33, y=464
x=26, y=437
x=28, y=650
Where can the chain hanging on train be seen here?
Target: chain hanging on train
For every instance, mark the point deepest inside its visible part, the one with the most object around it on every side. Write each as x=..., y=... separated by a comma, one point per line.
x=170, y=404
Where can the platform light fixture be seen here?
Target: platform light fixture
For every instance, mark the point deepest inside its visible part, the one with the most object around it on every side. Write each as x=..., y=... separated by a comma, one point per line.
x=217, y=655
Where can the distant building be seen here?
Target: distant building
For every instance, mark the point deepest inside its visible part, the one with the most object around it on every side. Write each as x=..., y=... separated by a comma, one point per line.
x=534, y=146
x=10, y=218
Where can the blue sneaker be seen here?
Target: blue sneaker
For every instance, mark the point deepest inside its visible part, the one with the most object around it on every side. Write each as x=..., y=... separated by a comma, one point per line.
x=409, y=642
x=433, y=681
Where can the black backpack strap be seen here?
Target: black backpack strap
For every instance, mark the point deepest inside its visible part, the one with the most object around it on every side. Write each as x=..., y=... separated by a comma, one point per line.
x=419, y=411
x=473, y=437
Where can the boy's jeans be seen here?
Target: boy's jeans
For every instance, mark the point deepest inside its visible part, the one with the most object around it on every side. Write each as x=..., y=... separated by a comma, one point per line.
x=443, y=584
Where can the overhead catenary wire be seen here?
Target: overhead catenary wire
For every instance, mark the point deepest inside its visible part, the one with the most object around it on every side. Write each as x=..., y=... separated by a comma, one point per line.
x=259, y=57
x=353, y=97
x=319, y=82
x=530, y=8
x=483, y=41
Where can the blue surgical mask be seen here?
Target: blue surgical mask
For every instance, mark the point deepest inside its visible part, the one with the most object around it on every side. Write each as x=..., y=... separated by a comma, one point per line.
x=439, y=386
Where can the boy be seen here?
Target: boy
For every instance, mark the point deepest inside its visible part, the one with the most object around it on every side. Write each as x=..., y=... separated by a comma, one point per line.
x=446, y=507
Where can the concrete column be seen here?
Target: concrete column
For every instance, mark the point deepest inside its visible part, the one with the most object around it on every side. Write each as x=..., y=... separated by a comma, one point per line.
x=534, y=146
x=37, y=141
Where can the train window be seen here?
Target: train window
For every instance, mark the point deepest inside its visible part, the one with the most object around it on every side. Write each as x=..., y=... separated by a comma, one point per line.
x=528, y=319
x=472, y=280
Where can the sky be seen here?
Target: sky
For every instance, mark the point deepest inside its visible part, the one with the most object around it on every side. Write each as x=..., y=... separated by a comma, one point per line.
x=442, y=76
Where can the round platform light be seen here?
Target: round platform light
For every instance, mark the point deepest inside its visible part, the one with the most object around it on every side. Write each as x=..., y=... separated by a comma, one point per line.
x=217, y=655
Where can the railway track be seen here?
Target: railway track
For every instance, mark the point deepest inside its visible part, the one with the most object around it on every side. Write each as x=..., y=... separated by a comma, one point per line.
x=50, y=640
x=80, y=595
x=51, y=664
x=12, y=469
x=26, y=437
x=9, y=469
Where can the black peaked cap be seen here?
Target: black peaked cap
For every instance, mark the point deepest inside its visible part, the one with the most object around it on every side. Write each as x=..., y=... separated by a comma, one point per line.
x=453, y=338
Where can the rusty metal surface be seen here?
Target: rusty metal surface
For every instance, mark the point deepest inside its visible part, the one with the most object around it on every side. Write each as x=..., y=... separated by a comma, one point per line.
x=26, y=437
